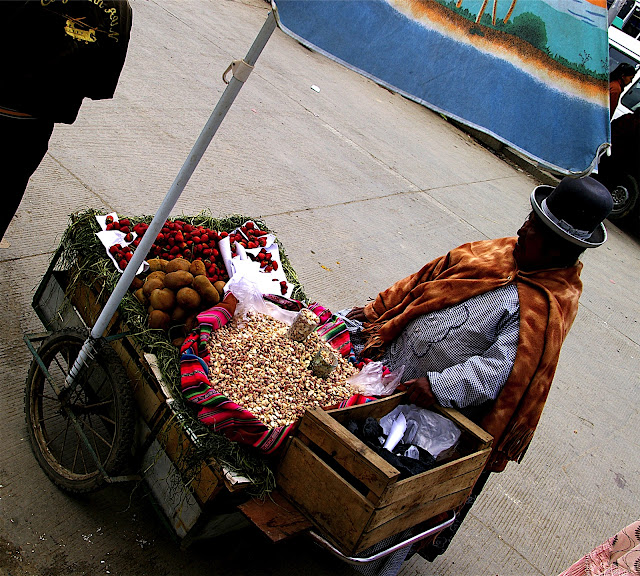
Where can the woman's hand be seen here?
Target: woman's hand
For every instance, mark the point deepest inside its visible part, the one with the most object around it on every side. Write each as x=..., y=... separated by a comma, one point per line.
x=357, y=313
x=420, y=392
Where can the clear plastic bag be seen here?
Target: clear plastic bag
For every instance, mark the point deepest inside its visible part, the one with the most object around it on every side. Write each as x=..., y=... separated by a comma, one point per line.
x=250, y=300
x=371, y=380
x=432, y=432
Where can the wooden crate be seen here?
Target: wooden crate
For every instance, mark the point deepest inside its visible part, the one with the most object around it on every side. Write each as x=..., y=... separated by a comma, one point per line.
x=353, y=496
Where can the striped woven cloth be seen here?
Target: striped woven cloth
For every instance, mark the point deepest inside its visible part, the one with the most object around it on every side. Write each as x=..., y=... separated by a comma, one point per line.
x=224, y=415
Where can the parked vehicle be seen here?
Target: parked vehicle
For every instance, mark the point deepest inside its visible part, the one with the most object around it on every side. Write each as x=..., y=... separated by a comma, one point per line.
x=620, y=172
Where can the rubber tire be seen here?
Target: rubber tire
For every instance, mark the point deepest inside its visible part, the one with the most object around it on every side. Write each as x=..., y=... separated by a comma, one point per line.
x=622, y=211
x=47, y=422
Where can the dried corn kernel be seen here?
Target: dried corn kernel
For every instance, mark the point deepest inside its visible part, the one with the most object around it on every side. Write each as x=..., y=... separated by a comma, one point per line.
x=256, y=365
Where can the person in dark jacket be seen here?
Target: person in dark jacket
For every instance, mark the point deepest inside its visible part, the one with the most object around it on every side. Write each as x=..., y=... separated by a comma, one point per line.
x=55, y=54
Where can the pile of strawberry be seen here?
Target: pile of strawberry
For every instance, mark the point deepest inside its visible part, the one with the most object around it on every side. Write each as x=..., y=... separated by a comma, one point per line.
x=248, y=236
x=177, y=239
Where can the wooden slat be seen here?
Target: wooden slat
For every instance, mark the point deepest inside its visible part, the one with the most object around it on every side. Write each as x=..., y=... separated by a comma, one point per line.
x=348, y=451
x=323, y=496
x=412, y=518
x=275, y=516
x=416, y=494
x=419, y=484
x=376, y=409
x=207, y=482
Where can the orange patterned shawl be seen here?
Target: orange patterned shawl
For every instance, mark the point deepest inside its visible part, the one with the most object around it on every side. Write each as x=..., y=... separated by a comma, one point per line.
x=548, y=306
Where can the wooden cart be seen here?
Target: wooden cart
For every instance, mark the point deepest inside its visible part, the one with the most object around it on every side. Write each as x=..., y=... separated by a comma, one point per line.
x=343, y=493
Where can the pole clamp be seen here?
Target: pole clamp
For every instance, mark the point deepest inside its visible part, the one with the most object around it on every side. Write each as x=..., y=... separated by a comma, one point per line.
x=240, y=70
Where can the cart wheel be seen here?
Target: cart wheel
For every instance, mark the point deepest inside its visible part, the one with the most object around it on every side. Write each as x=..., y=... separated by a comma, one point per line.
x=102, y=402
x=625, y=196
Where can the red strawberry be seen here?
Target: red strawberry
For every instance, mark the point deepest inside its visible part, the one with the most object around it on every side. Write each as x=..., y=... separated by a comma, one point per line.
x=274, y=264
x=123, y=264
x=109, y=219
x=128, y=237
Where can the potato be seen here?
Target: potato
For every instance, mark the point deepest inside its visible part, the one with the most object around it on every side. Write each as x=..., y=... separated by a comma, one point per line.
x=178, y=279
x=178, y=342
x=162, y=299
x=190, y=323
x=219, y=286
x=178, y=315
x=198, y=268
x=157, y=274
x=136, y=283
x=140, y=295
x=177, y=264
x=159, y=319
x=209, y=294
x=156, y=264
x=151, y=285
x=188, y=298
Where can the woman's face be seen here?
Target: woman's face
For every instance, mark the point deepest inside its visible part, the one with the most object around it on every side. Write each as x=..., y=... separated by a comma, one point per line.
x=534, y=251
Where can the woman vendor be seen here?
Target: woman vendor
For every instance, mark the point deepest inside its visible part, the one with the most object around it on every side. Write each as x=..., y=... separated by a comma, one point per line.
x=480, y=329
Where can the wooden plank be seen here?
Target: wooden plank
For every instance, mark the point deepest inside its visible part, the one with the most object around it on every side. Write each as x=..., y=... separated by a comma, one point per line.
x=275, y=516
x=484, y=438
x=323, y=496
x=413, y=500
x=348, y=451
x=206, y=482
x=376, y=409
x=415, y=486
x=410, y=519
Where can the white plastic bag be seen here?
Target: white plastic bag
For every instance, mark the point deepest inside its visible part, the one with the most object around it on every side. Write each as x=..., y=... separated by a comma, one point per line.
x=429, y=430
x=371, y=381
x=250, y=300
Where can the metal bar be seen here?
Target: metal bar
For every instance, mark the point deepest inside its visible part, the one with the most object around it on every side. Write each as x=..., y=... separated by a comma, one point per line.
x=179, y=184
x=379, y=555
x=615, y=7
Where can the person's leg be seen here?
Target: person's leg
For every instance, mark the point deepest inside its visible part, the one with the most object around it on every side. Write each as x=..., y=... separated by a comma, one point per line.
x=26, y=141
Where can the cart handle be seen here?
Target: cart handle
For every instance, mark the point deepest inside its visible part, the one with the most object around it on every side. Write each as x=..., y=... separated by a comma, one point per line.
x=377, y=556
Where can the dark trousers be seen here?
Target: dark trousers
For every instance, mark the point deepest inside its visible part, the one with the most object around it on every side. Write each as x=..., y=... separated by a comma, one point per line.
x=25, y=142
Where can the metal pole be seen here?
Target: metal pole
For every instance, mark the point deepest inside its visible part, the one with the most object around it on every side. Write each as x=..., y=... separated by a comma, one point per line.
x=194, y=157
x=615, y=7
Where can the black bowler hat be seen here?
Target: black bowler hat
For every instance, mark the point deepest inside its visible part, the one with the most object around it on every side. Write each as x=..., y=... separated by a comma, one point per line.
x=574, y=209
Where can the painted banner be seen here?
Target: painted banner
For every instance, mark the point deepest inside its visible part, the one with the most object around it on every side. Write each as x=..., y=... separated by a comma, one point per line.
x=532, y=73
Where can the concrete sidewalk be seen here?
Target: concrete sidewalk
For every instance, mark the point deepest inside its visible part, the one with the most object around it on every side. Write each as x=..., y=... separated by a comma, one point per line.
x=362, y=187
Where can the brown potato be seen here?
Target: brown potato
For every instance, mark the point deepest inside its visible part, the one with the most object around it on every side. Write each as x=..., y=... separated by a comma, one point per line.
x=163, y=299
x=159, y=319
x=188, y=298
x=190, y=323
x=157, y=274
x=139, y=294
x=219, y=286
x=178, y=315
x=177, y=264
x=198, y=268
x=178, y=342
x=178, y=279
x=156, y=264
x=151, y=285
x=136, y=283
x=209, y=294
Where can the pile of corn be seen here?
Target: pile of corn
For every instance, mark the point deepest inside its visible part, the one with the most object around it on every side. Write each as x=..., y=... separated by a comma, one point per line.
x=257, y=366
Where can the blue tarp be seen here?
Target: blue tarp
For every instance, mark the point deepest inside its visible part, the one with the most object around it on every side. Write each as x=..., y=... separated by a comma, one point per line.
x=531, y=73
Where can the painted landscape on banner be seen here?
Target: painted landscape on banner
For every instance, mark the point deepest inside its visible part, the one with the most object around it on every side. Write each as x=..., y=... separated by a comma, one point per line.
x=531, y=73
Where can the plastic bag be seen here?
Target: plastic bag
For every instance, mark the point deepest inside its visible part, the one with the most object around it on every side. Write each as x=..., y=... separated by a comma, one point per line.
x=250, y=300
x=432, y=432
x=371, y=380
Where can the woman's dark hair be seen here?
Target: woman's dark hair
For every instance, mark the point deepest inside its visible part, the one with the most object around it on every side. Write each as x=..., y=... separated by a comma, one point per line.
x=622, y=69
